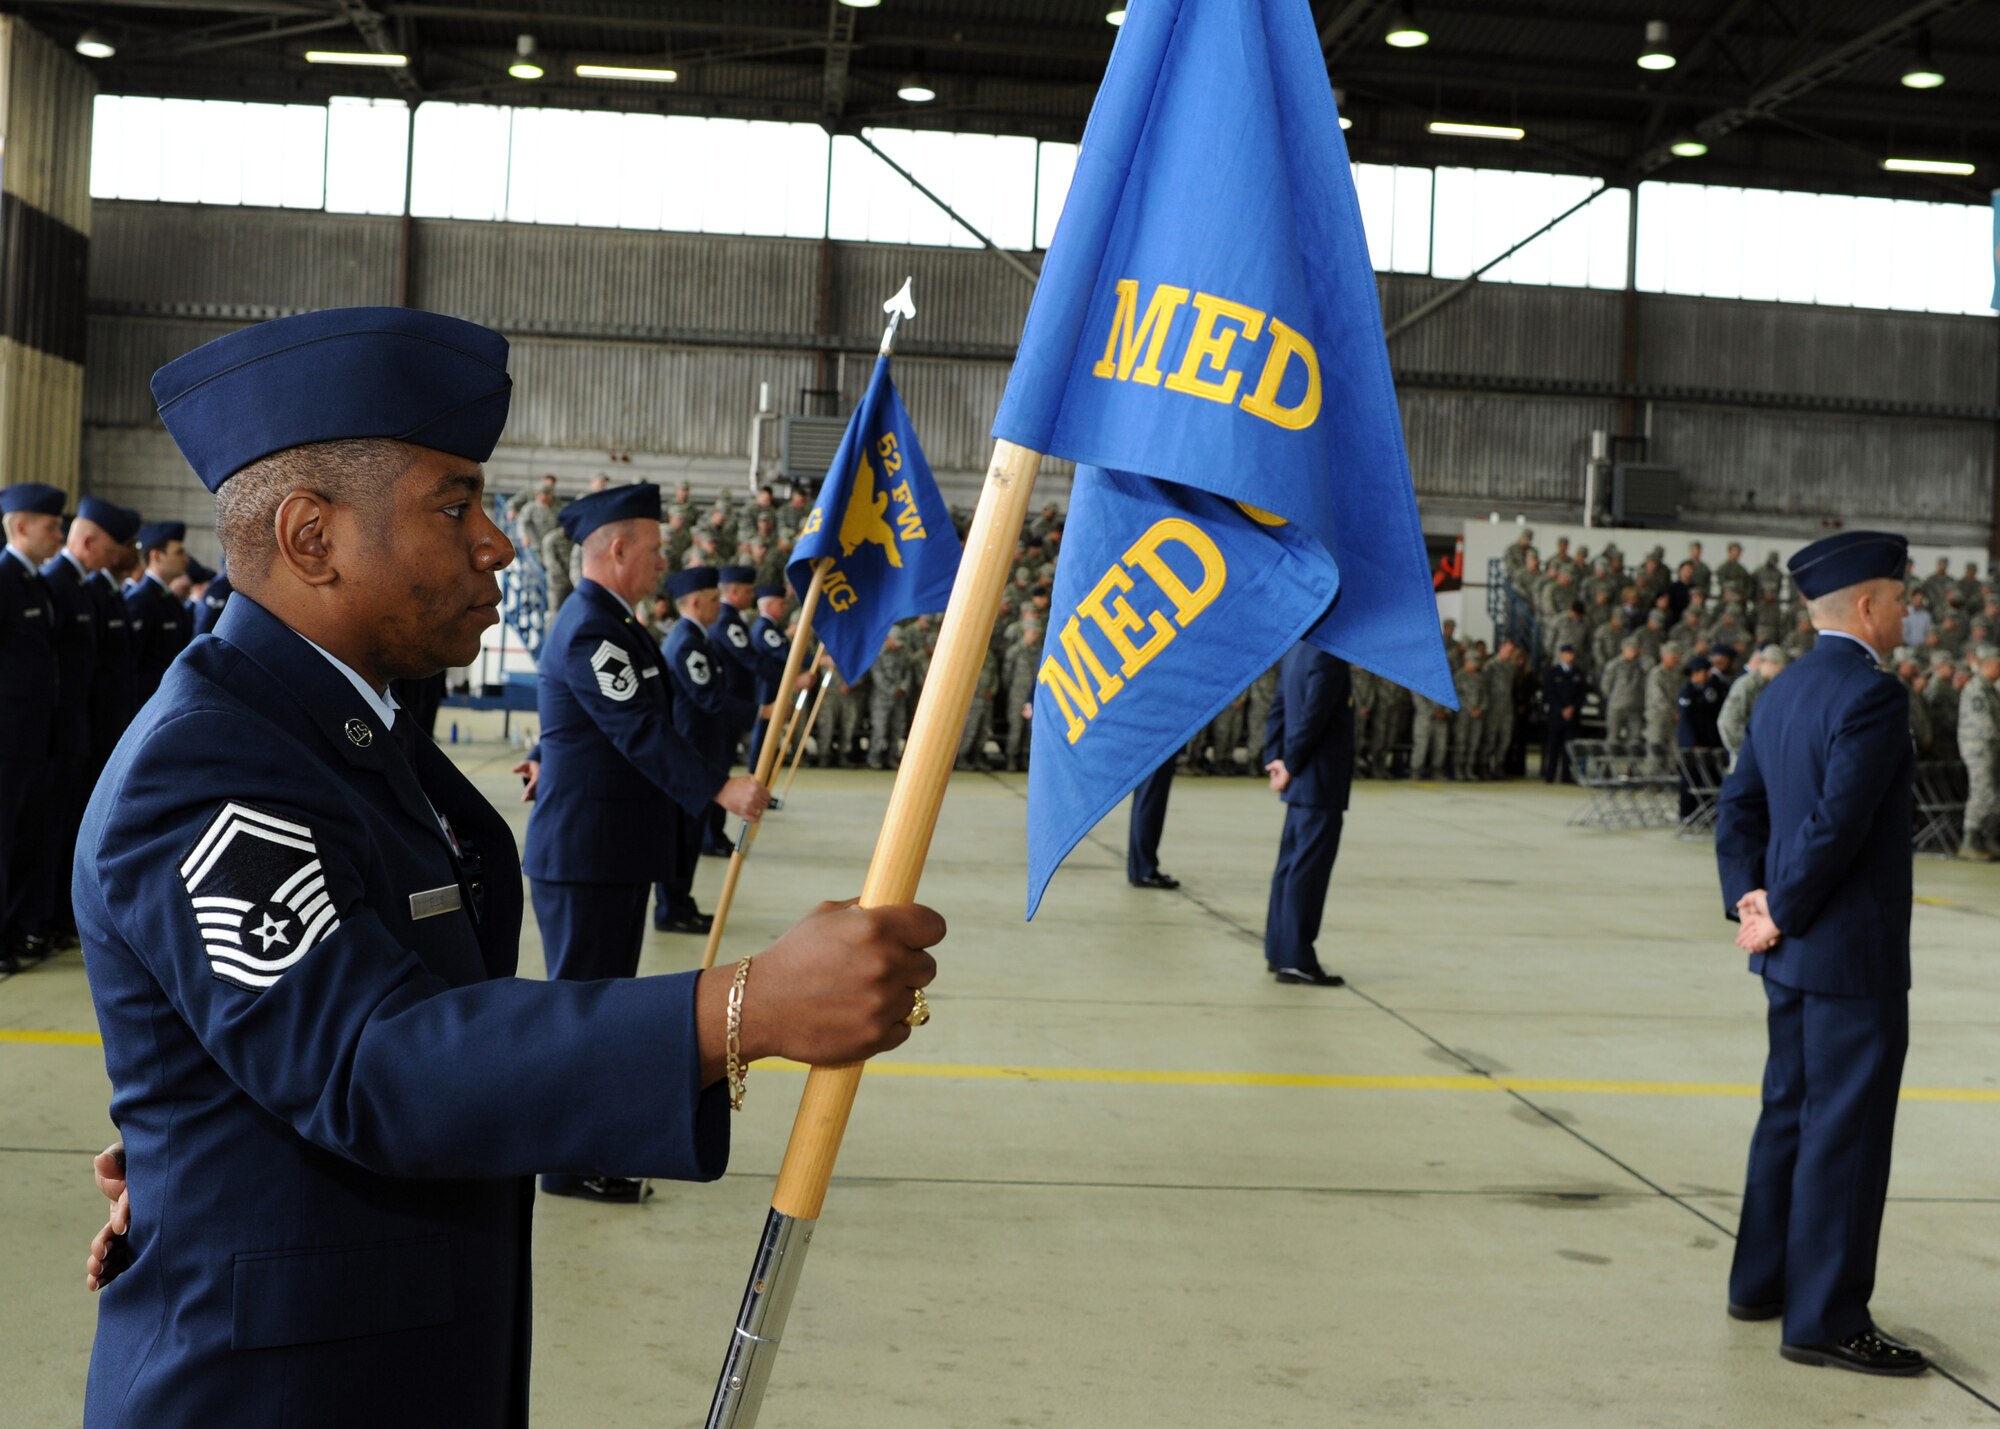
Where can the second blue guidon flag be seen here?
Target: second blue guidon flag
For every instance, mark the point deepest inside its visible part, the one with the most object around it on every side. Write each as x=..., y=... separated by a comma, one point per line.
x=1206, y=343
x=881, y=519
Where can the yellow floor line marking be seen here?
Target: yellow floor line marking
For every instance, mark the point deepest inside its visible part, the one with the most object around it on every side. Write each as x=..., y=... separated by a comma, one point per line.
x=1143, y=1077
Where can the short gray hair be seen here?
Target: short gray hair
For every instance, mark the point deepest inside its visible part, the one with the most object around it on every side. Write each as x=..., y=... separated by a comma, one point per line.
x=356, y=473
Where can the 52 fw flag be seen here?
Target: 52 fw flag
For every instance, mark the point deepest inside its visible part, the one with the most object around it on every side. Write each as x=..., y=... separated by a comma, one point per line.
x=1206, y=344
x=881, y=520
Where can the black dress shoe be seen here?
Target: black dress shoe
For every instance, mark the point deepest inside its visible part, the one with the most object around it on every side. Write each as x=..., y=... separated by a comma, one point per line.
x=1156, y=880
x=1308, y=977
x=36, y=948
x=1756, y=1312
x=1866, y=1353
x=617, y=1190
x=692, y=923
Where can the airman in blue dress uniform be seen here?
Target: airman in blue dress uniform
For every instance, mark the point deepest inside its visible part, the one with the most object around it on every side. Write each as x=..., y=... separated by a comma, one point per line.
x=113, y=685
x=1309, y=754
x=769, y=640
x=161, y=624
x=301, y=925
x=1148, y=820
x=740, y=666
x=1812, y=838
x=29, y=694
x=98, y=529
x=208, y=608
x=708, y=715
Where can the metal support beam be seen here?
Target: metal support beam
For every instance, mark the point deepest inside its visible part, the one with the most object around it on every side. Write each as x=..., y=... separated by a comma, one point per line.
x=375, y=31
x=953, y=214
x=1457, y=289
x=1352, y=24
x=1771, y=97
x=839, y=54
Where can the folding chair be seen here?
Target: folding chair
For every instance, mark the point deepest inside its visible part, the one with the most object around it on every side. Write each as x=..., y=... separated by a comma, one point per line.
x=1941, y=789
x=1702, y=770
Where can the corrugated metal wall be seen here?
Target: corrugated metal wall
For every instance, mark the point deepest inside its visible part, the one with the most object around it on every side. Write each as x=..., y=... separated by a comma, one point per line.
x=655, y=343
x=45, y=116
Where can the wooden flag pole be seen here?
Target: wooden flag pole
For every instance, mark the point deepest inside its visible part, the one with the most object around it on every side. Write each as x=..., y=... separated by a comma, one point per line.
x=792, y=725
x=767, y=762
x=812, y=718
x=893, y=874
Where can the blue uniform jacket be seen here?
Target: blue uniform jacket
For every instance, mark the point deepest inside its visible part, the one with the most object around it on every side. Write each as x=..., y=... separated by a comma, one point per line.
x=706, y=711
x=768, y=642
x=208, y=609
x=1817, y=812
x=161, y=628
x=113, y=692
x=331, y=1086
x=616, y=761
x=1311, y=727
x=76, y=652
x=28, y=669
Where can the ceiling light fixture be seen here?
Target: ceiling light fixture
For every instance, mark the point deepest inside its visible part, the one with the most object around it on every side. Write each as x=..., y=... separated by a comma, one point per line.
x=1688, y=146
x=1657, y=54
x=645, y=76
x=1931, y=166
x=366, y=58
x=524, y=66
x=92, y=45
x=1920, y=73
x=1477, y=131
x=1404, y=32
x=1340, y=103
x=915, y=91
x=861, y=4
x=1115, y=18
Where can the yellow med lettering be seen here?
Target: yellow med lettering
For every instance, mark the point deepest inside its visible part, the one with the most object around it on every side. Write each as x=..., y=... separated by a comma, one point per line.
x=1145, y=554
x=1118, y=618
x=1206, y=345
x=1125, y=343
x=1285, y=345
x=1072, y=686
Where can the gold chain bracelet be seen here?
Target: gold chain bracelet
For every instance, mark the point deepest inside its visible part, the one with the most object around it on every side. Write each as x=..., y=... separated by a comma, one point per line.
x=732, y=1044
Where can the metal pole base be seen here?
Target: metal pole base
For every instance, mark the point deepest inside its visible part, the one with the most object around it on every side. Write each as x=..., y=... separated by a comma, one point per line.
x=760, y=1324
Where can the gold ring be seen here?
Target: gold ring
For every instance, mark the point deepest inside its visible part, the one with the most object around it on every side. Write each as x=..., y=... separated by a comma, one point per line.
x=921, y=1013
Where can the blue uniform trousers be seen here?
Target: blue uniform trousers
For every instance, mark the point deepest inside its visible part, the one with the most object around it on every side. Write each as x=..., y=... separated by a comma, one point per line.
x=1306, y=852
x=21, y=781
x=1819, y=1162
x=589, y=931
x=1149, y=819
x=675, y=892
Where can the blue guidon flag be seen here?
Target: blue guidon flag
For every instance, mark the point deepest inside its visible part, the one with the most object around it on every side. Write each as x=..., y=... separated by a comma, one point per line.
x=880, y=518
x=259, y=895
x=1206, y=344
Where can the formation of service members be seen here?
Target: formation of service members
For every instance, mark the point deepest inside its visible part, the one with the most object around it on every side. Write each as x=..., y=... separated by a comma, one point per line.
x=93, y=609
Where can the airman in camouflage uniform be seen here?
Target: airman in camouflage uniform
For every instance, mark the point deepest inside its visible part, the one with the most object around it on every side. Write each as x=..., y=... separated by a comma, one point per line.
x=1367, y=686
x=1622, y=687
x=1430, y=734
x=979, y=718
x=1389, y=728
x=1468, y=731
x=1024, y=661
x=1499, y=719
x=1979, y=747
x=1733, y=579
x=841, y=743
x=1744, y=692
x=889, y=701
x=1263, y=690
x=1663, y=689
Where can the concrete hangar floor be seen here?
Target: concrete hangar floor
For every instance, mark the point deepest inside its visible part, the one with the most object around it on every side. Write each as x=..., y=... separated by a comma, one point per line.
x=1123, y=1179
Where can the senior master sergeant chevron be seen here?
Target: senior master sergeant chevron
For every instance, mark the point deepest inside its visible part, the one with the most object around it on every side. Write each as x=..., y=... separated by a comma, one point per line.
x=300, y=923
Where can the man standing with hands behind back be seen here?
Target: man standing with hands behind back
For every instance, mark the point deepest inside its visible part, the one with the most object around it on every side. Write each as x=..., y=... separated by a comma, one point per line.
x=1813, y=841
x=1309, y=754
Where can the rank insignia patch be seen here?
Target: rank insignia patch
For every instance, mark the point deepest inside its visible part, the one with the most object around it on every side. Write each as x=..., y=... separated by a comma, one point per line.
x=613, y=667
x=259, y=895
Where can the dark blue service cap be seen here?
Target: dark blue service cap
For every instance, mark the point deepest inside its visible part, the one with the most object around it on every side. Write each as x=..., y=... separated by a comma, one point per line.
x=1565, y=649
x=737, y=575
x=771, y=592
x=31, y=496
x=1729, y=650
x=155, y=534
x=685, y=583
x=638, y=502
x=120, y=523
x=1848, y=559
x=1699, y=662
x=197, y=573
x=336, y=375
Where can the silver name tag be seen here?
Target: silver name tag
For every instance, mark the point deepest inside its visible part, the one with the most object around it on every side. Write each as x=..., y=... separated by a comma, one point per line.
x=432, y=902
